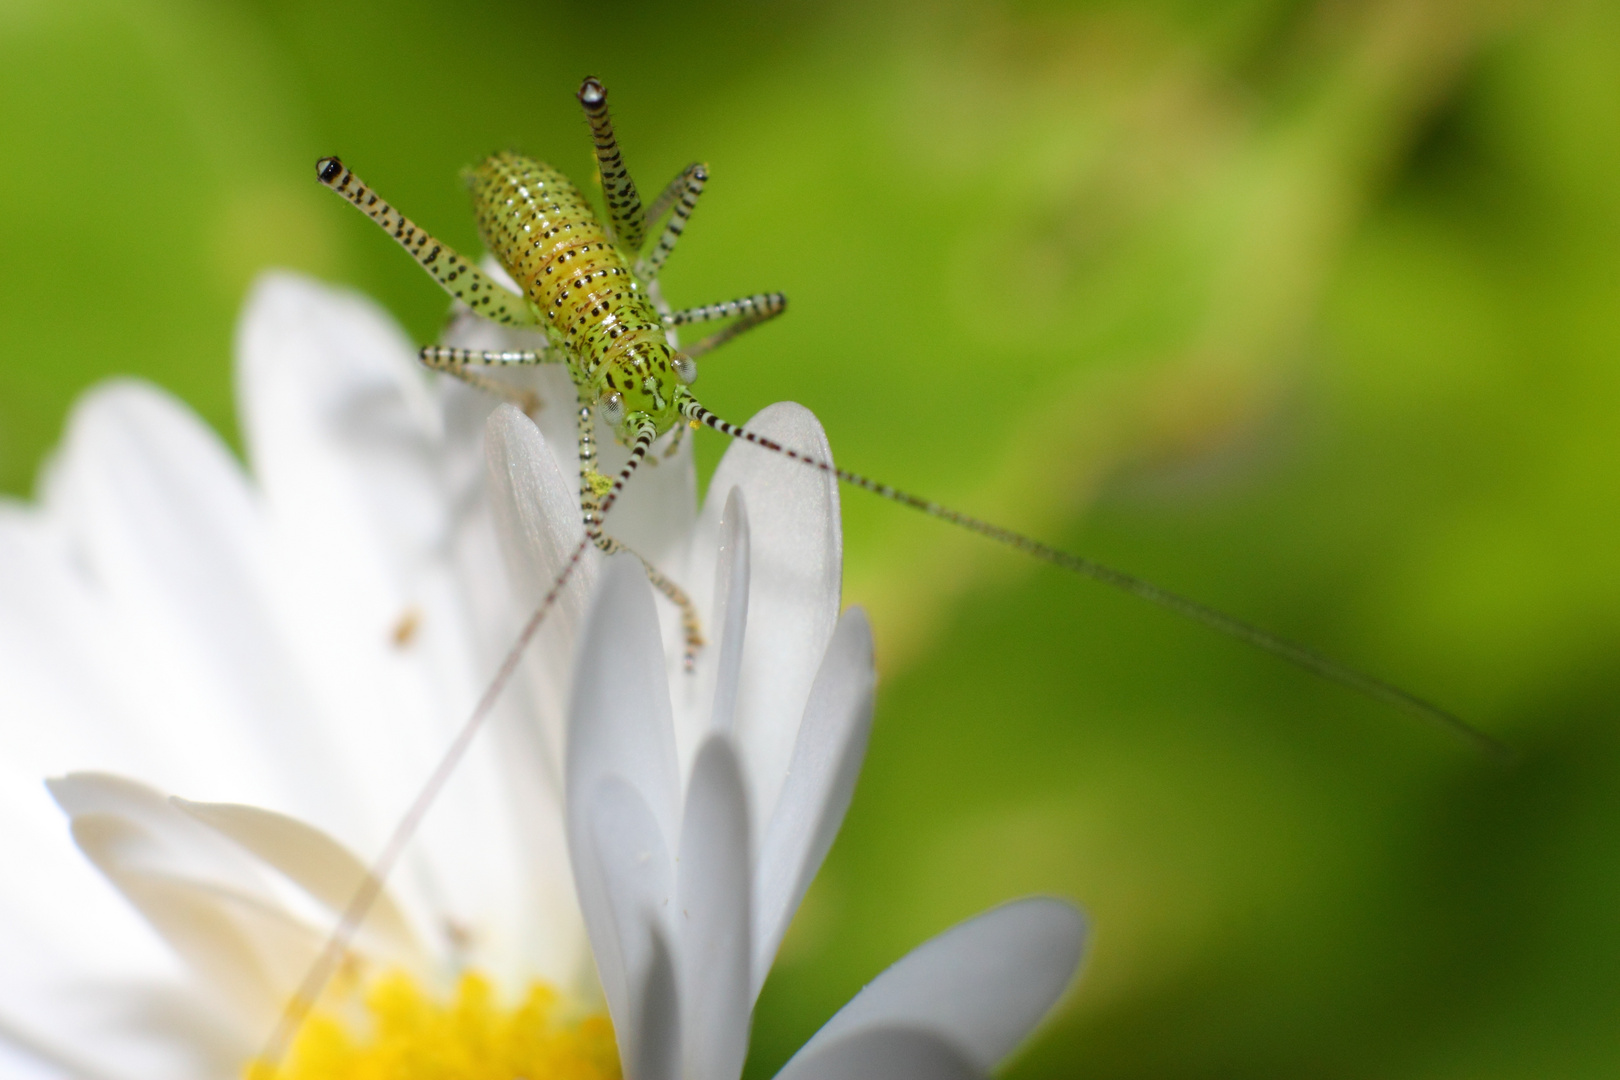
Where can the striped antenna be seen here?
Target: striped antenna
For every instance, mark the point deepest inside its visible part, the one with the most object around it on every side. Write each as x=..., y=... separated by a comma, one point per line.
x=370, y=890
x=1295, y=654
x=625, y=216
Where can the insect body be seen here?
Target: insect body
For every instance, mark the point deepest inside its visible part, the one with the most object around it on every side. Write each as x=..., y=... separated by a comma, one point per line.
x=585, y=284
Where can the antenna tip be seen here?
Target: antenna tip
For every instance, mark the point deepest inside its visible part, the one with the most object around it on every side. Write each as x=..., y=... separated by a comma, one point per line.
x=591, y=92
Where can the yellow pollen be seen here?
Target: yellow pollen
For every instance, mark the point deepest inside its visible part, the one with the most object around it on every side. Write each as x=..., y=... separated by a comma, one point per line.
x=408, y=1035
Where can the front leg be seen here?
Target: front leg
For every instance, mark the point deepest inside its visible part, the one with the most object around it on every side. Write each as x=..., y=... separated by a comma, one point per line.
x=458, y=277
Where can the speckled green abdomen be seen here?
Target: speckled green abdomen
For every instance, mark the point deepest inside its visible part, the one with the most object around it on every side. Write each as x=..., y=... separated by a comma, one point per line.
x=538, y=224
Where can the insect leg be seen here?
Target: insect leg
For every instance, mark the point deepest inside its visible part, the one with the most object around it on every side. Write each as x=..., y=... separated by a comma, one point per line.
x=592, y=488
x=691, y=625
x=675, y=441
x=750, y=311
x=457, y=276
x=625, y=218
x=457, y=361
x=685, y=188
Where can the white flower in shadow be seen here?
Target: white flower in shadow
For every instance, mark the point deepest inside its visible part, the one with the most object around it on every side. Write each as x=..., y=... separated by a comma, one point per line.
x=686, y=902
x=700, y=806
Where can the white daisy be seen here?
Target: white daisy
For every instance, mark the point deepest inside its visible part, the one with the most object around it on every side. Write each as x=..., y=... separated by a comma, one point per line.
x=309, y=640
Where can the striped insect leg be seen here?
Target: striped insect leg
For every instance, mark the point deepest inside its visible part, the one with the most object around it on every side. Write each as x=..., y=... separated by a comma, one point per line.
x=681, y=197
x=625, y=216
x=749, y=312
x=456, y=362
x=458, y=277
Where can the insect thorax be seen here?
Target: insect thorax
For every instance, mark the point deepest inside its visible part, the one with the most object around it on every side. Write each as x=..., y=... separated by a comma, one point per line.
x=541, y=229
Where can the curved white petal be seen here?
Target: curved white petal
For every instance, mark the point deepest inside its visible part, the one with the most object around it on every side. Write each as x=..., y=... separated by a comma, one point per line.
x=713, y=886
x=373, y=491
x=26, y=1056
x=820, y=782
x=626, y=884
x=69, y=680
x=730, y=610
x=320, y=866
x=537, y=507
x=150, y=503
x=180, y=846
x=981, y=986
x=622, y=784
x=657, y=1053
x=196, y=889
x=885, y=1053
x=619, y=718
x=77, y=958
x=794, y=585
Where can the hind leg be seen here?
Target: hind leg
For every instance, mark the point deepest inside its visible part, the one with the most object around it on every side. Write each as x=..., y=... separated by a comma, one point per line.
x=593, y=486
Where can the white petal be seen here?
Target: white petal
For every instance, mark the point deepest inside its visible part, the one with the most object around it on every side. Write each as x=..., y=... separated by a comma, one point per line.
x=820, y=782
x=885, y=1053
x=626, y=883
x=77, y=958
x=794, y=585
x=621, y=756
x=246, y=950
x=730, y=609
x=323, y=868
x=981, y=986
x=619, y=719
x=713, y=916
x=68, y=679
x=540, y=527
x=160, y=516
x=658, y=1019
x=375, y=488
x=195, y=888
x=25, y=1056
x=373, y=496
x=180, y=846
x=535, y=503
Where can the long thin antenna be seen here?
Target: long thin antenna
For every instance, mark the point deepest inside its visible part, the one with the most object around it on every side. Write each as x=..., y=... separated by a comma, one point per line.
x=365, y=897
x=1299, y=655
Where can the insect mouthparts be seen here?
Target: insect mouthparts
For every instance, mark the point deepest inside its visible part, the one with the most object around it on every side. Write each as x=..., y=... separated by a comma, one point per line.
x=328, y=169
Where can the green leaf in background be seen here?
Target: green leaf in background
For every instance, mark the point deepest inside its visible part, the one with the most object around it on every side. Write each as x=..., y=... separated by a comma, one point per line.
x=1308, y=310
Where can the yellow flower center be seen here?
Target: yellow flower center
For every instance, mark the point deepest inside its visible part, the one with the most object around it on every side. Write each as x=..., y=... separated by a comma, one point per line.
x=405, y=1034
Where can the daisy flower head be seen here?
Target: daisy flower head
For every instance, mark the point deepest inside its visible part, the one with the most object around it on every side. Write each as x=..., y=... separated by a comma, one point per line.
x=293, y=650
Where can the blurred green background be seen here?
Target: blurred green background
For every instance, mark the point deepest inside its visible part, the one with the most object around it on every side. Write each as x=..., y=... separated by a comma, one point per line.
x=1308, y=309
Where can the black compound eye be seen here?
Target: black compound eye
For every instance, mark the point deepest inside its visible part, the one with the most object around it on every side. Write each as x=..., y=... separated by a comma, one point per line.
x=328, y=169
